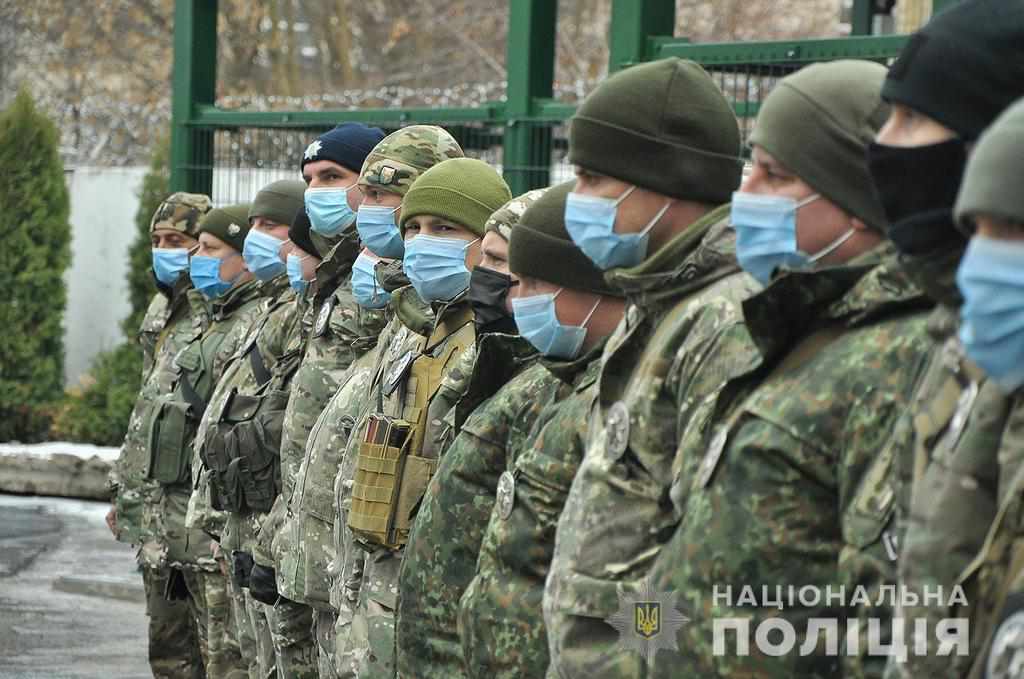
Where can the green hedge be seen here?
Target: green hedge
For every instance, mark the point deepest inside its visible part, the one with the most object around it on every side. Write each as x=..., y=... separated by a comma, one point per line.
x=35, y=238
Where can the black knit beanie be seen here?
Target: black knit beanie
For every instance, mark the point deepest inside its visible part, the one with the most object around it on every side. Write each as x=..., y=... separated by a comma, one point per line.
x=663, y=126
x=964, y=66
x=540, y=247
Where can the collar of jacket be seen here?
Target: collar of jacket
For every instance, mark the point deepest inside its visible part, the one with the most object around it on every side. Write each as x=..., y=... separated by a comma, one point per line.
x=178, y=297
x=412, y=311
x=448, y=318
x=334, y=267
x=935, y=274
x=684, y=264
x=392, y=276
x=852, y=294
x=275, y=288
x=224, y=306
x=575, y=371
x=499, y=358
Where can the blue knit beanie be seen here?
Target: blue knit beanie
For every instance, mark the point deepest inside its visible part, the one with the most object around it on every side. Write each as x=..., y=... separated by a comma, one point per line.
x=348, y=145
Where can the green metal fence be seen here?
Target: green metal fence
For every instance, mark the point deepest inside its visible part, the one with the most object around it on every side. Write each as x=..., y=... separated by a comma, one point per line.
x=231, y=154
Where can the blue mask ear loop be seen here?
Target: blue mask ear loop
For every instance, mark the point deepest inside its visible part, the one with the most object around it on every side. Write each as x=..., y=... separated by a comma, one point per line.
x=654, y=220
x=591, y=313
x=831, y=247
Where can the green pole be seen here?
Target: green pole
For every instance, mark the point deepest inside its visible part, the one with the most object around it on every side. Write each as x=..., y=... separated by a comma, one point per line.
x=195, y=80
x=862, y=21
x=530, y=65
x=633, y=23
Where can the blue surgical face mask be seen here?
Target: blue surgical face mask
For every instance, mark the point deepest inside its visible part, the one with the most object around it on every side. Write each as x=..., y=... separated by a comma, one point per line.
x=991, y=278
x=262, y=253
x=295, y=278
x=168, y=264
x=367, y=291
x=205, y=274
x=766, y=234
x=537, y=322
x=328, y=210
x=590, y=222
x=378, y=231
x=436, y=267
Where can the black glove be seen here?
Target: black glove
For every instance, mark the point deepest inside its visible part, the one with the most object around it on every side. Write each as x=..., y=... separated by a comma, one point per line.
x=175, y=588
x=241, y=568
x=263, y=585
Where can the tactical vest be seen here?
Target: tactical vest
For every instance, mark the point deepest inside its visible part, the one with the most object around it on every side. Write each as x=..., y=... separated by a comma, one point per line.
x=243, y=448
x=176, y=415
x=392, y=468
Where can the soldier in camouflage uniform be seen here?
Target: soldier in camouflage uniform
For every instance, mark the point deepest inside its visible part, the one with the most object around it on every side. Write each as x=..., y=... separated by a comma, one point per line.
x=443, y=543
x=416, y=383
x=957, y=417
x=300, y=541
x=967, y=472
x=169, y=324
x=219, y=275
x=329, y=331
x=238, y=438
x=649, y=474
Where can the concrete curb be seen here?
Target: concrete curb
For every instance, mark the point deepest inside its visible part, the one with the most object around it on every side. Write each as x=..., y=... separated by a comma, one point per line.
x=55, y=474
x=101, y=586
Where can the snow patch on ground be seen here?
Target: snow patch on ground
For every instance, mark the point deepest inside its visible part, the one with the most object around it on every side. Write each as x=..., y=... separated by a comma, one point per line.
x=95, y=511
x=80, y=450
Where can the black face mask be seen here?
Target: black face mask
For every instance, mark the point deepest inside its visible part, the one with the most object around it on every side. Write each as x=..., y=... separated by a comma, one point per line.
x=488, y=291
x=917, y=187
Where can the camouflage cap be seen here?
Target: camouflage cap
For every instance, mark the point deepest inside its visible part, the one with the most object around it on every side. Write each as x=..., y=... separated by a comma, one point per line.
x=181, y=212
x=402, y=156
x=508, y=215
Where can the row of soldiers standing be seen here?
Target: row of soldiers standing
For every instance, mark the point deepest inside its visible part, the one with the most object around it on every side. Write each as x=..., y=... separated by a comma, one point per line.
x=398, y=423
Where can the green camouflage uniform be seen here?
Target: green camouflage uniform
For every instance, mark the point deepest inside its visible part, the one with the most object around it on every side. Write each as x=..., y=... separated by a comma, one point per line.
x=367, y=647
x=249, y=380
x=335, y=332
x=169, y=543
x=499, y=616
x=501, y=400
x=602, y=509
x=440, y=557
x=948, y=483
x=793, y=485
x=176, y=636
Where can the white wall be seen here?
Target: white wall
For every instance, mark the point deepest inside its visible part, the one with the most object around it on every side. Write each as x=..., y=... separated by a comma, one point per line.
x=103, y=205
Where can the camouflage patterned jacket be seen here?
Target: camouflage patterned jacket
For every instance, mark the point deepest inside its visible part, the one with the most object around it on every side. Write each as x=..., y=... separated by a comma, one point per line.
x=170, y=324
x=441, y=554
x=335, y=332
x=203, y=361
x=251, y=397
x=994, y=580
x=500, y=623
x=618, y=509
x=794, y=485
x=397, y=392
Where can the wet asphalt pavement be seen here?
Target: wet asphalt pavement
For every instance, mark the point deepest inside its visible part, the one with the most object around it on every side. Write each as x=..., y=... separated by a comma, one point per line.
x=70, y=598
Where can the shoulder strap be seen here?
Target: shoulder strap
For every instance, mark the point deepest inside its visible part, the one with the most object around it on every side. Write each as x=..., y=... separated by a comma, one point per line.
x=259, y=367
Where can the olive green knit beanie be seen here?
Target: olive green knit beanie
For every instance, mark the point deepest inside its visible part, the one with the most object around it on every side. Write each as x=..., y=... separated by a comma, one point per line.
x=465, y=190
x=540, y=247
x=663, y=126
x=818, y=123
x=279, y=201
x=230, y=224
x=991, y=185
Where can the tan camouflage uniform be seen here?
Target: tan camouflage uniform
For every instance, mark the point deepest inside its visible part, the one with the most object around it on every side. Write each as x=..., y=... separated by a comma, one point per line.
x=176, y=636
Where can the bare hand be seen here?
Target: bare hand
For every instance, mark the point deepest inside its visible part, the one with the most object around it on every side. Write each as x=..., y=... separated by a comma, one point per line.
x=112, y=521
